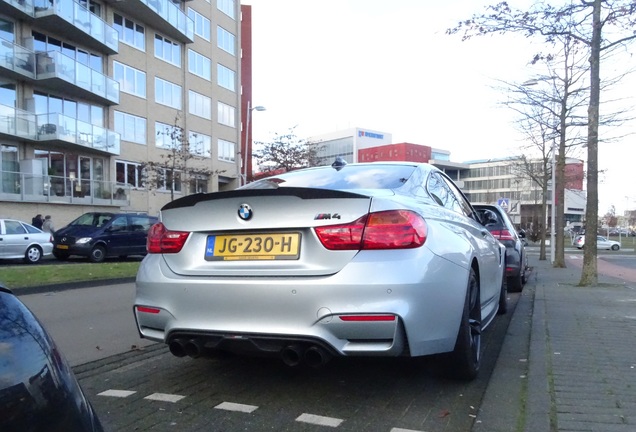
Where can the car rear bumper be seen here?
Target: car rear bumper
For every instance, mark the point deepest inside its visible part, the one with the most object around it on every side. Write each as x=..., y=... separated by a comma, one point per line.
x=369, y=308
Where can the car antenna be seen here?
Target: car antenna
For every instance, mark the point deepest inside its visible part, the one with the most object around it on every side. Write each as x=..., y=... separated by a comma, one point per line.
x=339, y=163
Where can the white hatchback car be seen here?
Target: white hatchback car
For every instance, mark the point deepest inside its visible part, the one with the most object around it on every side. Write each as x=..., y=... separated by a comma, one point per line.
x=601, y=243
x=21, y=240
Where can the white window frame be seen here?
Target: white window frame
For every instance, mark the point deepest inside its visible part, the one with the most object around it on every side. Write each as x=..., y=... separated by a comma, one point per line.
x=226, y=40
x=170, y=94
x=167, y=50
x=228, y=7
x=162, y=136
x=200, y=144
x=226, y=77
x=122, y=71
x=227, y=150
x=226, y=114
x=202, y=25
x=137, y=168
x=199, y=105
x=131, y=127
x=135, y=30
x=199, y=65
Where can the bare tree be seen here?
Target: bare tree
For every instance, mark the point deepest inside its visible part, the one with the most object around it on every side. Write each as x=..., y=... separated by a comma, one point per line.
x=584, y=21
x=183, y=163
x=286, y=152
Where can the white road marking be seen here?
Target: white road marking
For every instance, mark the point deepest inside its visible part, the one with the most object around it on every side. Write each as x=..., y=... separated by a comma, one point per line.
x=319, y=420
x=117, y=393
x=231, y=406
x=404, y=430
x=164, y=397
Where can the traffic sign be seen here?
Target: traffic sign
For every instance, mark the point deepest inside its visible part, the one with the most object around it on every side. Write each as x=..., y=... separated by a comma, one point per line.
x=504, y=203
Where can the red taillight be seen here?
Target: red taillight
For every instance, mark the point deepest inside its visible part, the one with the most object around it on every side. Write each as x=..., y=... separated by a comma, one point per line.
x=392, y=229
x=161, y=240
x=149, y=310
x=503, y=234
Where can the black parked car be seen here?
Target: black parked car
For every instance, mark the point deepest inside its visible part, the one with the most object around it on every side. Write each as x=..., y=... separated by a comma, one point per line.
x=501, y=227
x=98, y=235
x=38, y=391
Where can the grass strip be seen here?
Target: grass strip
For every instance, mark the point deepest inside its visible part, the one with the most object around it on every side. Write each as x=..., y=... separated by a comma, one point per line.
x=20, y=276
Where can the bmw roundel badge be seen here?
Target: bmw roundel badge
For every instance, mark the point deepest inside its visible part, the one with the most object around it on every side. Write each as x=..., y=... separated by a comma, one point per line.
x=245, y=212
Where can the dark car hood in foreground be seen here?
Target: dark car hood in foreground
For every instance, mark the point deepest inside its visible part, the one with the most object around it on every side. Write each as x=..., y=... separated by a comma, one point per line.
x=38, y=391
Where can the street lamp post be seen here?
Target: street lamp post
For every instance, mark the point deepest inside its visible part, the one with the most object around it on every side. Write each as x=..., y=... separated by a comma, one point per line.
x=553, y=205
x=242, y=174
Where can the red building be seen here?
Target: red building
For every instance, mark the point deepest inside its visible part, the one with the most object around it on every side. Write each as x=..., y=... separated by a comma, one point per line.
x=396, y=152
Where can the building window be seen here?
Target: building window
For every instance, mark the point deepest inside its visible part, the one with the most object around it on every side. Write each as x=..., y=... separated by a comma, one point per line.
x=130, y=127
x=199, y=144
x=201, y=24
x=130, y=32
x=226, y=40
x=227, y=151
x=227, y=7
x=227, y=115
x=130, y=80
x=167, y=50
x=199, y=105
x=199, y=64
x=226, y=77
x=169, y=180
x=130, y=173
x=167, y=93
x=167, y=136
x=199, y=184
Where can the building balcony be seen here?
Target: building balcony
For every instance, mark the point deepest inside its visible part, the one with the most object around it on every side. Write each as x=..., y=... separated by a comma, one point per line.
x=162, y=15
x=16, y=62
x=76, y=22
x=57, y=128
x=29, y=187
x=62, y=74
x=22, y=8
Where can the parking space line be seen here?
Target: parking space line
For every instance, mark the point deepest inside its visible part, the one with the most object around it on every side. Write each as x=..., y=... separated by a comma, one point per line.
x=164, y=397
x=231, y=406
x=319, y=420
x=117, y=393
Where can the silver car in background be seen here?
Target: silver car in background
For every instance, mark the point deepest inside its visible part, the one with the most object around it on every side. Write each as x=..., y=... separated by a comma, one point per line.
x=20, y=240
x=375, y=259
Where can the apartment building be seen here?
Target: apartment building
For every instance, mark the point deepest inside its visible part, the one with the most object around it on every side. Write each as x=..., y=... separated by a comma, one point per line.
x=117, y=105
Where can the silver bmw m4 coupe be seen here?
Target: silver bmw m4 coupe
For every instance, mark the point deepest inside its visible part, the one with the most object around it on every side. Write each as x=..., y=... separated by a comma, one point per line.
x=369, y=259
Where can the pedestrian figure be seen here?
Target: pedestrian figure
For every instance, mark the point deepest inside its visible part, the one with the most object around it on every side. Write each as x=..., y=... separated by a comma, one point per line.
x=47, y=226
x=37, y=221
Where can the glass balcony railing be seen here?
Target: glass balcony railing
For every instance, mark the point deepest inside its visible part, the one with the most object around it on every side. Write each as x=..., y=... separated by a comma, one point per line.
x=54, y=64
x=17, y=59
x=25, y=6
x=29, y=187
x=55, y=126
x=175, y=16
x=80, y=18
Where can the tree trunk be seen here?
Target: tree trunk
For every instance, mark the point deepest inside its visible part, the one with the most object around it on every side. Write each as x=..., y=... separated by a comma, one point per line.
x=589, y=273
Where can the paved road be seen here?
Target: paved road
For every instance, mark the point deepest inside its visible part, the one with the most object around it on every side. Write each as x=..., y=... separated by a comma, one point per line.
x=148, y=389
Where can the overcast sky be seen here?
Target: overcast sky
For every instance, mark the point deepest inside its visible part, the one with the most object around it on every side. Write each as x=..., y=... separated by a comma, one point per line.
x=324, y=66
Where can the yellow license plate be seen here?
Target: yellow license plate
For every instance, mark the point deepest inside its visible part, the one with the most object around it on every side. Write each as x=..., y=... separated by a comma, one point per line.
x=62, y=246
x=270, y=246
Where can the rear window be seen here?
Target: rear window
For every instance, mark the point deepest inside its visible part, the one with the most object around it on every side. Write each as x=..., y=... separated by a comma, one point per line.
x=346, y=178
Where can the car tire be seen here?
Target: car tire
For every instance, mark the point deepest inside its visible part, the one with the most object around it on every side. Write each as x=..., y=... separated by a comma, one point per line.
x=503, y=297
x=62, y=256
x=98, y=254
x=33, y=254
x=615, y=247
x=515, y=283
x=466, y=357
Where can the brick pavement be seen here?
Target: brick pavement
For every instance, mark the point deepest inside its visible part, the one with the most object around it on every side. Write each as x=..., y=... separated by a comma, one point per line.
x=569, y=359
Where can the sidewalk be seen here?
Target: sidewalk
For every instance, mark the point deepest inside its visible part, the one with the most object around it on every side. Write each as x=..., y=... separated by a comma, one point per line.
x=569, y=359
